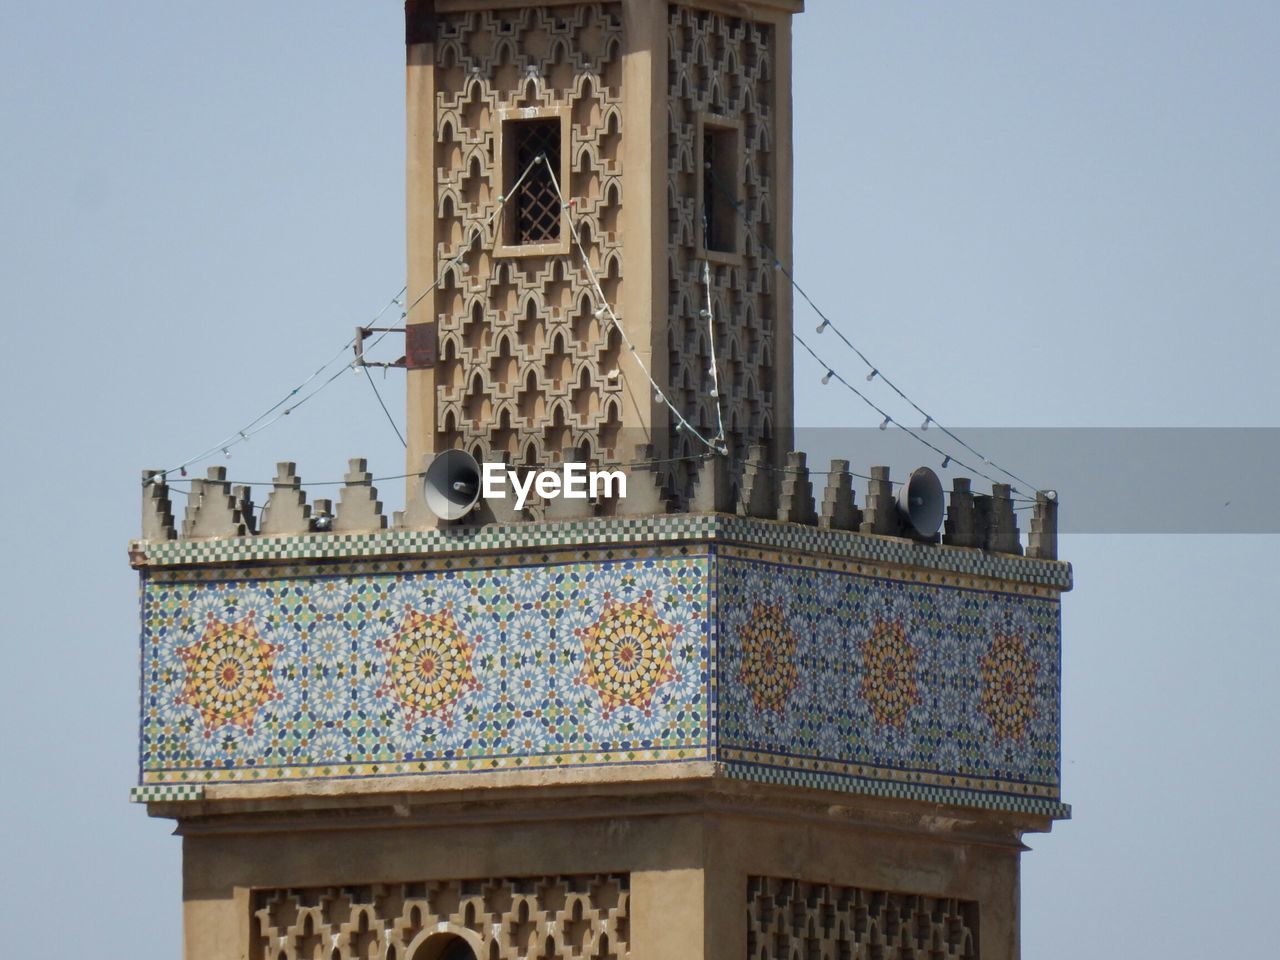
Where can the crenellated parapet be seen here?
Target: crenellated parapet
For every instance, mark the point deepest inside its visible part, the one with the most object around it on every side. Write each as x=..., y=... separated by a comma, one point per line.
x=217, y=509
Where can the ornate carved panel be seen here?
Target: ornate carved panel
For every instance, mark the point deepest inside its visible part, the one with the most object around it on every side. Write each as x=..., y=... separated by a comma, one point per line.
x=525, y=365
x=789, y=919
x=721, y=74
x=539, y=918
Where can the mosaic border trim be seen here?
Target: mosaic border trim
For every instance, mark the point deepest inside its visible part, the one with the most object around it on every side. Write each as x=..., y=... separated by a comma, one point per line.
x=491, y=764
x=608, y=531
x=167, y=792
x=926, y=794
x=865, y=771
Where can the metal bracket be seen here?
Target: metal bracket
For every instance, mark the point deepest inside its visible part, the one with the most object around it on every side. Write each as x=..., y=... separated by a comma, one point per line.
x=421, y=348
x=363, y=334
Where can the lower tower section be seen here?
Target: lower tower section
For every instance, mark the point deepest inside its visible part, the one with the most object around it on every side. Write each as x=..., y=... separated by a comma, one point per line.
x=684, y=736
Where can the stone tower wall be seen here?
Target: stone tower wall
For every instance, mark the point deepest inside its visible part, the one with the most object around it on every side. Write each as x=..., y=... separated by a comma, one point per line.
x=721, y=69
x=524, y=361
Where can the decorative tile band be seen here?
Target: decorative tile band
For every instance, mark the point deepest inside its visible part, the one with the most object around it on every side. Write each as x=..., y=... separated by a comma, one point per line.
x=867, y=677
x=602, y=531
x=499, y=668
x=784, y=671
x=836, y=771
x=901, y=791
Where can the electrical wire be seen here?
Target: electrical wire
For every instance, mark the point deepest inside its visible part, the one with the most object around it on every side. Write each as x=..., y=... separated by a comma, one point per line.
x=391, y=420
x=257, y=424
x=682, y=424
x=947, y=459
x=875, y=371
x=715, y=368
x=248, y=430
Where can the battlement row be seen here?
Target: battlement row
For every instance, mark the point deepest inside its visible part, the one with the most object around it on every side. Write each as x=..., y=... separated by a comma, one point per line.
x=218, y=508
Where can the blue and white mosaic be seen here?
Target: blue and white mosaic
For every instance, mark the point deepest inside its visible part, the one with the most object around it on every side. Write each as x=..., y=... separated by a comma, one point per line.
x=887, y=679
x=423, y=672
x=784, y=668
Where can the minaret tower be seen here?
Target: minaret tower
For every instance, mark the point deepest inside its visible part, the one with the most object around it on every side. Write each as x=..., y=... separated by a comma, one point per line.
x=711, y=719
x=665, y=199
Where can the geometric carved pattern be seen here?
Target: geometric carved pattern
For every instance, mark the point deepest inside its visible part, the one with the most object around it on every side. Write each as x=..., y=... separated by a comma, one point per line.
x=539, y=918
x=524, y=363
x=722, y=68
x=790, y=919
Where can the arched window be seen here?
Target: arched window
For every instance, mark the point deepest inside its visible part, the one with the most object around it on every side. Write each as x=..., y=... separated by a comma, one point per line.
x=445, y=946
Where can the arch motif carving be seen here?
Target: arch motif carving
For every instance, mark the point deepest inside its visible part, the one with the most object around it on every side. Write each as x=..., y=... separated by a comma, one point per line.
x=789, y=918
x=489, y=61
x=721, y=66
x=539, y=918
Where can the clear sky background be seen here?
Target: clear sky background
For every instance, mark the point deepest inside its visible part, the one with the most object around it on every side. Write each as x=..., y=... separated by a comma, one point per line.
x=1030, y=214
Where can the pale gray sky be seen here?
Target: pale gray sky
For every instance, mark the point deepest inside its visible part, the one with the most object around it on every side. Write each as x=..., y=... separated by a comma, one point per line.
x=1030, y=214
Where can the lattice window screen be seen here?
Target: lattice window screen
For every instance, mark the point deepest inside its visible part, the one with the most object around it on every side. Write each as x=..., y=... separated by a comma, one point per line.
x=524, y=361
x=791, y=920
x=537, y=203
x=540, y=918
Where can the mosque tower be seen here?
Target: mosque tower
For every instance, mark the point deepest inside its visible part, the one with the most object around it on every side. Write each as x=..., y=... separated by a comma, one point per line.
x=712, y=718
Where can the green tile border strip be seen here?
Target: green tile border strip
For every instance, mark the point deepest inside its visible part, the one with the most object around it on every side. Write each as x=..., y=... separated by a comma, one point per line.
x=899, y=791
x=605, y=531
x=164, y=792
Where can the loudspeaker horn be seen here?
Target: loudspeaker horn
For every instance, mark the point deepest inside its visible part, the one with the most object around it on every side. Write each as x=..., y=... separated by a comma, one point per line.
x=451, y=485
x=920, y=501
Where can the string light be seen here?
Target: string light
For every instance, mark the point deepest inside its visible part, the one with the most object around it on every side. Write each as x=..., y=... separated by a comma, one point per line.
x=265, y=419
x=713, y=370
x=660, y=396
x=946, y=462
x=927, y=421
x=826, y=322
x=888, y=419
x=826, y=377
